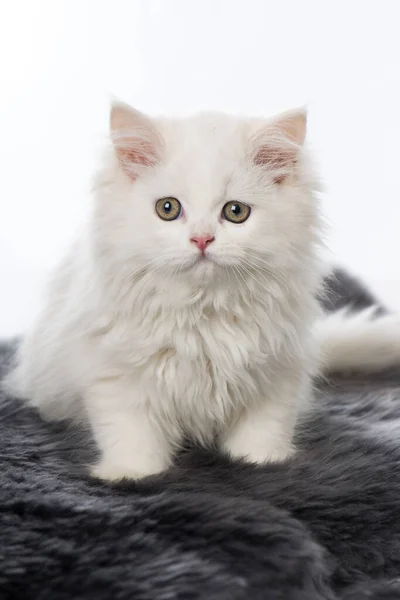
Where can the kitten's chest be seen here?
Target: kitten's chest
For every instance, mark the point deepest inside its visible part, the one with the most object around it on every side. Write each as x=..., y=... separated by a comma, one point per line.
x=226, y=341
x=210, y=354
x=203, y=369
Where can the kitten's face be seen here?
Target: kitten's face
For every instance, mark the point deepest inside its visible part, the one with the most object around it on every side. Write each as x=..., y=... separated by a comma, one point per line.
x=211, y=195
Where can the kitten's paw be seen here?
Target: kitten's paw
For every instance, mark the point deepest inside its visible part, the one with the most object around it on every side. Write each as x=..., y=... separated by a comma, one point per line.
x=259, y=453
x=113, y=471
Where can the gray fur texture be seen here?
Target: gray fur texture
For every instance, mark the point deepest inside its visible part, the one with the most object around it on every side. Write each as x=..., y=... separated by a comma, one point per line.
x=323, y=526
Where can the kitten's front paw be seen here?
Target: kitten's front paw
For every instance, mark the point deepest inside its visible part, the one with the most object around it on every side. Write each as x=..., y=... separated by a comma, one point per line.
x=112, y=471
x=258, y=452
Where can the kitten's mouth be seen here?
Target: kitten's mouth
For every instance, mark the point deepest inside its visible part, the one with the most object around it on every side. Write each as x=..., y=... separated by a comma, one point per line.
x=200, y=264
x=204, y=258
x=203, y=262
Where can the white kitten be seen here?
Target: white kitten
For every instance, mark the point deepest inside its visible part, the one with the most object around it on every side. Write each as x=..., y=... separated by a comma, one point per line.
x=186, y=308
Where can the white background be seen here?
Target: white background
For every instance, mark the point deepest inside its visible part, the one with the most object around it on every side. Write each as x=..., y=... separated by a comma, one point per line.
x=60, y=61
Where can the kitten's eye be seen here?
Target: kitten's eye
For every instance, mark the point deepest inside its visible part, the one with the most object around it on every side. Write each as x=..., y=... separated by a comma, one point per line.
x=236, y=212
x=168, y=209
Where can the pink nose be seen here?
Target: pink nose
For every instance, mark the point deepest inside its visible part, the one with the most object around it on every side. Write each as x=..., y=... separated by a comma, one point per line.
x=202, y=241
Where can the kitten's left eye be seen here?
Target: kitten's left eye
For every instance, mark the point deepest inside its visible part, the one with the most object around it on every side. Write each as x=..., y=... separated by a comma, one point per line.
x=168, y=209
x=236, y=212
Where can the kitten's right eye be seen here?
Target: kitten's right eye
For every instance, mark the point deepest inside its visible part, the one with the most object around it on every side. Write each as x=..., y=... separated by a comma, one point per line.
x=168, y=209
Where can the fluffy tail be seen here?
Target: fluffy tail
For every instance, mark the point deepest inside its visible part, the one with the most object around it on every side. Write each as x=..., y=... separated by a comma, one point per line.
x=359, y=341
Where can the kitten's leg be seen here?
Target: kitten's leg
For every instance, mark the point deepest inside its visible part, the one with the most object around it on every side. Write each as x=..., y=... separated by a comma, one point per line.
x=264, y=432
x=131, y=445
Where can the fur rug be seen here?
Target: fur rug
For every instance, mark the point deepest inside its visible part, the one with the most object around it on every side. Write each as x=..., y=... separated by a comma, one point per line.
x=323, y=526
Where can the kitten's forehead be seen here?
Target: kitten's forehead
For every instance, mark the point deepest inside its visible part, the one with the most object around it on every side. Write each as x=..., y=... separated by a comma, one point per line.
x=202, y=153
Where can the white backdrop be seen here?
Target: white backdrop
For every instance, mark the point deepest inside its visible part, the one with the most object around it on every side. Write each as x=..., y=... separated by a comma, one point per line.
x=60, y=60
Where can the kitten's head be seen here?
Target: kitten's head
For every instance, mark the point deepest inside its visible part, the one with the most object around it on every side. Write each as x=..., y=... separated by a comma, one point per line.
x=208, y=195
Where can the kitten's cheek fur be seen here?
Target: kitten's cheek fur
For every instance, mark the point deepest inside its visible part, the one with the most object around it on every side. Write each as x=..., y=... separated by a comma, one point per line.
x=131, y=446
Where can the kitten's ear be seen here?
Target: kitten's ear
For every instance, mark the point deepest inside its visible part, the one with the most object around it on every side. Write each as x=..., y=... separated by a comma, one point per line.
x=137, y=142
x=277, y=144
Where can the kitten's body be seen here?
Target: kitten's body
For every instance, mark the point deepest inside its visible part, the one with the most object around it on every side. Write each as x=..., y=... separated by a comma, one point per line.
x=157, y=342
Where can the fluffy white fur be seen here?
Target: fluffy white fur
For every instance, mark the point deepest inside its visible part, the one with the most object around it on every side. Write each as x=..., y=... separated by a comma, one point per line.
x=156, y=343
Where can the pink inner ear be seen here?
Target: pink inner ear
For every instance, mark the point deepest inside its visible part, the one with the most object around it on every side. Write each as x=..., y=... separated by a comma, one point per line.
x=276, y=146
x=136, y=139
x=137, y=153
x=274, y=157
x=277, y=160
